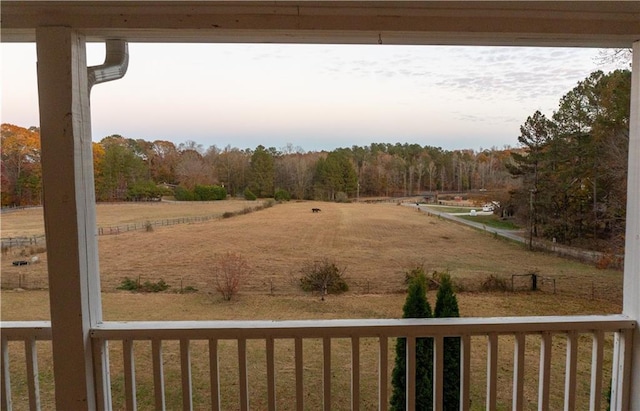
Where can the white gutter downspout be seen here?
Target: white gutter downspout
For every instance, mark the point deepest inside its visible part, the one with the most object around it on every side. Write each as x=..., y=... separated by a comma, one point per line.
x=115, y=64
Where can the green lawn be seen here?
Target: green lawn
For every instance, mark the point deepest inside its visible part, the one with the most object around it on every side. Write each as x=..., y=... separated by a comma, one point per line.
x=492, y=221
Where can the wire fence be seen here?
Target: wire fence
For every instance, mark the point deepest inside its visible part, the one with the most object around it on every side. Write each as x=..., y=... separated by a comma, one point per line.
x=562, y=285
x=149, y=225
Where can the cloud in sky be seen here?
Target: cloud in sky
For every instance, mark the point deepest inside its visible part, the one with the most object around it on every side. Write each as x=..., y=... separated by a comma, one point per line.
x=315, y=96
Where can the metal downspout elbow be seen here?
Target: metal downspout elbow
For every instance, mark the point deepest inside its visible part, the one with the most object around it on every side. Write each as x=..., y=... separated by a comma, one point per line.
x=115, y=63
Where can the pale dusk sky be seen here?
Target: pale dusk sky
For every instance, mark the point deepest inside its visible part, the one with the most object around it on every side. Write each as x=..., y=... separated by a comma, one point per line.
x=315, y=96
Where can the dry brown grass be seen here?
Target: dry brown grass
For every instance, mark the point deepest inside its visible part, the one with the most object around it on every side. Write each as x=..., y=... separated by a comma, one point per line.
x=376, y=242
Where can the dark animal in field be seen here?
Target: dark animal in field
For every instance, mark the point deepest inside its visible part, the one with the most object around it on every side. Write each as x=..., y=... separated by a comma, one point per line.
x=315, y=210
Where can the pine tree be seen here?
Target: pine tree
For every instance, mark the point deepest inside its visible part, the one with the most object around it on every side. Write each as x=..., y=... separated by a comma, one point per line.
x=447, y=306
x=415, y=306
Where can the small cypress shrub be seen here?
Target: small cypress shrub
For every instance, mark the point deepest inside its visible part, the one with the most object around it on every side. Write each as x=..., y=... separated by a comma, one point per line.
x=447, y=306
x=248, y=195
x=415, y=306
x=282, y=195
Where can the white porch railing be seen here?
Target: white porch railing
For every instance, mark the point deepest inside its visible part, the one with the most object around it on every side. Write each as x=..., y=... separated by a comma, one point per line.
x=585, y=331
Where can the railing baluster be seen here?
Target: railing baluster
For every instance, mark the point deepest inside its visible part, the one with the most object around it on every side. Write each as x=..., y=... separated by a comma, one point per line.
x=185, y=370
x=214, y=374
x=518, y=372
x=465, y=371
x=5, y=403
x=438, y=372
x=102, y=374
x=621, y=373
x=299, y=375
x=597, y=354
x=129, y=375
x=545, y=371
x=355, y=373
x=271, y=375
x=571, y=371
x=33, y=383
x=326, y=373
x=242, y=374
x=158, y=374
x=411, y=373
x=383, y=374
x=492, y=371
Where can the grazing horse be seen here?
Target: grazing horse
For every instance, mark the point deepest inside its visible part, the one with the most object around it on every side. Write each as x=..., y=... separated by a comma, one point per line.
x=315, y=210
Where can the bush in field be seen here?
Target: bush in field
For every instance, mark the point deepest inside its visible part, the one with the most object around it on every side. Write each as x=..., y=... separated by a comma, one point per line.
x=282, y=195
x=248, y=195
x=184, y=194
x=147, y=287
x=415, y=306
x=209, y=193
x=201, y=193
x=324, y=277
x=493, y=283
x=229, y=270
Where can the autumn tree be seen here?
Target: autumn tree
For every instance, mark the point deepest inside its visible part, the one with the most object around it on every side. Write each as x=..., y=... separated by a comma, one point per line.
x=21, y=169
x=232, y=167
x=164, y=161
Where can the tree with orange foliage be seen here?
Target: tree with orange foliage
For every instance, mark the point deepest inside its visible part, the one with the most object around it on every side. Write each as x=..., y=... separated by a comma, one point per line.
x=21, y=169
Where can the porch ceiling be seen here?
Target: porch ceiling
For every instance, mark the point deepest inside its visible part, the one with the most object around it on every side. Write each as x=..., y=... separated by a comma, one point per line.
x=520, y=23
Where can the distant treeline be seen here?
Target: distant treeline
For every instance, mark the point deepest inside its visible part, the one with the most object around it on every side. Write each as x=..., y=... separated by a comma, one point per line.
x=567, y=178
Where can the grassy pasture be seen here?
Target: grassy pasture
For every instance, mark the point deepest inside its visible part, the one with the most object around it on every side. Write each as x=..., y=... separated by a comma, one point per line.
x=376, y=242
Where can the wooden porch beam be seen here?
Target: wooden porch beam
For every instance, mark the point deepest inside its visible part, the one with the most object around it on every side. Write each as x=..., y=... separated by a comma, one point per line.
x=69, y=213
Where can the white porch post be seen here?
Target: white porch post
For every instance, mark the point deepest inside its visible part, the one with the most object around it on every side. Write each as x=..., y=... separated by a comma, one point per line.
x=631, y=305
x=69, y=213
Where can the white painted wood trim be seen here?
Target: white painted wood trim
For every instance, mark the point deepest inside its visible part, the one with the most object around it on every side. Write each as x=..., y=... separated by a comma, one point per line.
x=355, y=374
x=492, y=371
x=621, y=373
x=299, y=374
x=448, y=327
x=517, y=23
x=544, y=378
x=410, y=365
x=185, y=372
x=326, y=373
x=571, y=371
x=465, y=372
x=438, y=373
x=597, y=356
x=518, y=372
x=69, y=212
x=129, y=375
x=5, y=379
x=158, y=374
x=631, y=287
x=33, y=377
x=243, y=379
x=214, y=375
x=103, y=379
x=383, y=374
x=271, y=375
